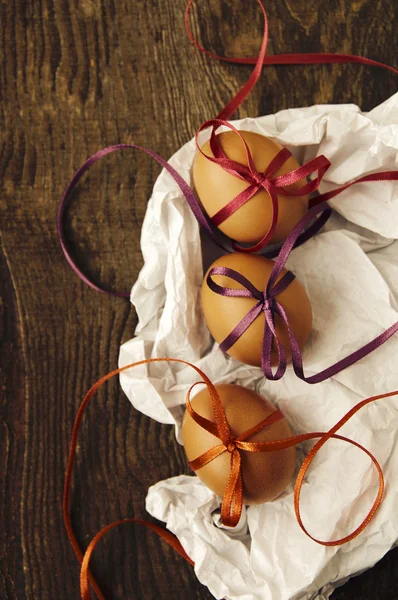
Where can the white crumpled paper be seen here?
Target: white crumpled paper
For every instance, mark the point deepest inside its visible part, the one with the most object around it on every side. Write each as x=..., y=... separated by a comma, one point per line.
x=350, y=272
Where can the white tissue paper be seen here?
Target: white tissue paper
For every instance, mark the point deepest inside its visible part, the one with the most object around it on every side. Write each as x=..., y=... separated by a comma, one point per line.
x=350, y=272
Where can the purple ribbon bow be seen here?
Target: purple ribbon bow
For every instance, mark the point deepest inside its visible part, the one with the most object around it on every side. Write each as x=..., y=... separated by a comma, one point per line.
x=269, y=305
x=266, y=303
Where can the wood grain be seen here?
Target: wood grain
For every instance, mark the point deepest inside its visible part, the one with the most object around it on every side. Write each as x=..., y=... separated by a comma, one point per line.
x=76, y=75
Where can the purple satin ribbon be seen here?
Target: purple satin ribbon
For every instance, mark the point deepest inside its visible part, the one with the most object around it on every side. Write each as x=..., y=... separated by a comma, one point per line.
x=205, y=223
x=185, y=189
x=268, y=304
x=313, y=221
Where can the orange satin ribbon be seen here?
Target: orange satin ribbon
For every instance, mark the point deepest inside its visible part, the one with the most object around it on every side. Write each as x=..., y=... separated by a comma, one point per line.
x=232, y=500
x=85, y=575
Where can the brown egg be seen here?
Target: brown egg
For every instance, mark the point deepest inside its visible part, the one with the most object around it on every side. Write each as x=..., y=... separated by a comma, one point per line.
x=222, y=313
x=265, y=474
x=215, y=188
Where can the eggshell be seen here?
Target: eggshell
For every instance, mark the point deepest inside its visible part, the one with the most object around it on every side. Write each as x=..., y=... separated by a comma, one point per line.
x=223, y=313
x=215, y=188
x=265, y=474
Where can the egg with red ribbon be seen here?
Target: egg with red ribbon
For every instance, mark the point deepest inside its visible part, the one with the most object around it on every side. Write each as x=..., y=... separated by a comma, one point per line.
x=223, y=188
x=265, y=475
x=246, y=312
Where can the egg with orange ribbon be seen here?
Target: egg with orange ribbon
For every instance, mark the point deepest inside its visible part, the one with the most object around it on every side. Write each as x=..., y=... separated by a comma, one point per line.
x=265, y=475
x=218, y=187
x=239, y=304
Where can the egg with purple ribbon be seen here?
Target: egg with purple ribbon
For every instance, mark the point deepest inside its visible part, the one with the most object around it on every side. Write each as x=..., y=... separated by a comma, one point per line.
x=216, y=188
x=239, y=310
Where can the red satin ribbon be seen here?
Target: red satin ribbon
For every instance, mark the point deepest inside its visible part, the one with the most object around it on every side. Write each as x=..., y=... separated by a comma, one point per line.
x=232, y=500
x=256, y=180
x=311, y=58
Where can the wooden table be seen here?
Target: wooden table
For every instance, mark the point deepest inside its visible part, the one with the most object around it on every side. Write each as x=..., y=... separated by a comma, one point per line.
x=76, y=76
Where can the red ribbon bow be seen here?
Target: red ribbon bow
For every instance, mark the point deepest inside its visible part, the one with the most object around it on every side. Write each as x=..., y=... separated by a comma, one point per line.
x=257, y=181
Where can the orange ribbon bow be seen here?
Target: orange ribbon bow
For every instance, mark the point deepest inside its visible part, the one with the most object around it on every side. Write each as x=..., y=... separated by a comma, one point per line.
x=232, y=500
